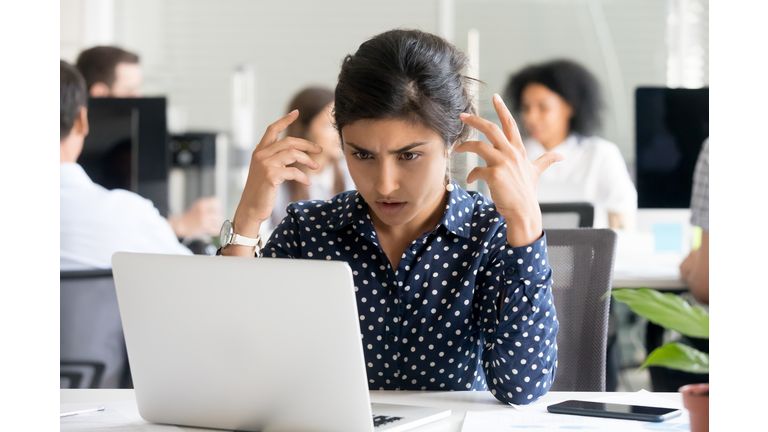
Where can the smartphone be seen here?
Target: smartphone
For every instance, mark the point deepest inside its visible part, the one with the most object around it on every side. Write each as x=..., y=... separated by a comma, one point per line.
x=618, y=411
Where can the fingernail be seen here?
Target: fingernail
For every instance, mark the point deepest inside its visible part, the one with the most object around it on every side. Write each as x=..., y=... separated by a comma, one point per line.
x=497, y=97
x=293, y=111
x=463, y=115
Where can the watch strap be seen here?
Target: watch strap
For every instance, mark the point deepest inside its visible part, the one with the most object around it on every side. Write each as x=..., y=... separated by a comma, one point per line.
x=237, y=239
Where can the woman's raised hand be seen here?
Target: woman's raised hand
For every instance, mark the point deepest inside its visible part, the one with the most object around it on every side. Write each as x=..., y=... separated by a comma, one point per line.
x=510, y=176
x=267, y=171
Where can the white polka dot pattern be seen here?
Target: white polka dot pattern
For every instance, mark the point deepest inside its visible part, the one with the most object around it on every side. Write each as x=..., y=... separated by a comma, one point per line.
x=434, y=323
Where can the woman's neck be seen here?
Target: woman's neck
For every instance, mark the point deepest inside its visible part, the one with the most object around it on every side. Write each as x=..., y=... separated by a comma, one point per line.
x=554, y=141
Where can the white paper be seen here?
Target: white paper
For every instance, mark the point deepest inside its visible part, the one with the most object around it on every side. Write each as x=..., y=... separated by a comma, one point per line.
x=120, y=416
x=535, y=417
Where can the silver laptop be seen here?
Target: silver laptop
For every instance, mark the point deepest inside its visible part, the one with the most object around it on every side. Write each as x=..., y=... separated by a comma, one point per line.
x=250, y=345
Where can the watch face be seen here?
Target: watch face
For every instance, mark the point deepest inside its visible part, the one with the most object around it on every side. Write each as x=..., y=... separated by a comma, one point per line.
x=226, y=233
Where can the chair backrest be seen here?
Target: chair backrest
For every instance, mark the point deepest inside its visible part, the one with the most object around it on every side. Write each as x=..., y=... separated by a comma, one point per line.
x=582, y=267
x=92, y=346
x=567, y=215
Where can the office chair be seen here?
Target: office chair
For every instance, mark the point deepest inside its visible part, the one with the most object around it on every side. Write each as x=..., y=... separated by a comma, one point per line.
x=92, y=346
x=582, y=268
x=567, y=215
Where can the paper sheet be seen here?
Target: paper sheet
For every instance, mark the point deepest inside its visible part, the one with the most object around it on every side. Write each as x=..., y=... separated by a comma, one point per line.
x=535, y=417
x=121, y=416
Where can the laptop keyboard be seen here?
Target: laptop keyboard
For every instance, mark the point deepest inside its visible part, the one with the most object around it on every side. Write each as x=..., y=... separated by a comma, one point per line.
x=381, y=420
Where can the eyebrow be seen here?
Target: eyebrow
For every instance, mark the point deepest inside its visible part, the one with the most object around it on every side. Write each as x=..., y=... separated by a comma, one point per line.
x=401, y=150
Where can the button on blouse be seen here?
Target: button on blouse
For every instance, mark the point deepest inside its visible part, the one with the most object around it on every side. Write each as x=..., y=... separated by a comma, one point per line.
x=462, y=311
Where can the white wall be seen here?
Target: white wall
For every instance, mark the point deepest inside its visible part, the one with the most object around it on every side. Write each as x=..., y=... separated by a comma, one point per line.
x=189, y=48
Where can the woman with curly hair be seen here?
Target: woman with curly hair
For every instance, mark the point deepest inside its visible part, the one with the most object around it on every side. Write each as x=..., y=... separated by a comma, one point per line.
x=559, y=103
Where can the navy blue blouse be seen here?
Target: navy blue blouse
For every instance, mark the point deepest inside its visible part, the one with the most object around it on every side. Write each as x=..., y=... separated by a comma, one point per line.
x=434, y=323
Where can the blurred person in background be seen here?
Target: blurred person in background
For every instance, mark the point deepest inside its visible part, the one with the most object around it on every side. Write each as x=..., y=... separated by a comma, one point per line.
x=114, y=72
x=695, y=268
x=96, y=222
x=315, y=124
x=559, y=103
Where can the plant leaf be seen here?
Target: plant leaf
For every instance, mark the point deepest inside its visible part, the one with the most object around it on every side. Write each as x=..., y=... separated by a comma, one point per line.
x=667, y=310
x=678, y=356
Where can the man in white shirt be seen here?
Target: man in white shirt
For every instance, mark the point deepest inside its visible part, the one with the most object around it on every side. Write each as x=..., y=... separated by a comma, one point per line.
x=96, y=222
x=111, y=71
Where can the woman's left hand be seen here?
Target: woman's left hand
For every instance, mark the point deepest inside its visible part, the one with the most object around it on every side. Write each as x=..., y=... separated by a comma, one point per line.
x=510, y=176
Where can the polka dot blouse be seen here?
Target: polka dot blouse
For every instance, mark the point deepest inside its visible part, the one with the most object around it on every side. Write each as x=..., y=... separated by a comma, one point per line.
x=436, y=322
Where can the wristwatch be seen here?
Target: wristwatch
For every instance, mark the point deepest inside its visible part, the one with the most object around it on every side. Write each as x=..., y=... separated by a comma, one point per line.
x=227, y=236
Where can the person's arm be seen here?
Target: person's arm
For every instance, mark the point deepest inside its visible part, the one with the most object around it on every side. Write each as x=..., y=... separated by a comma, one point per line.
x=519, y=322
x=268, y=170
x=204, y=216
x=695, y=270
x=616, y=188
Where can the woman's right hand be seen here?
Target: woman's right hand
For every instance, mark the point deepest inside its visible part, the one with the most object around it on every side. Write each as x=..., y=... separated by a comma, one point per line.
x=267, y=171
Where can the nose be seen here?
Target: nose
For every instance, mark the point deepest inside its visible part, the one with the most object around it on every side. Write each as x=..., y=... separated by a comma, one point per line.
x=387, y=182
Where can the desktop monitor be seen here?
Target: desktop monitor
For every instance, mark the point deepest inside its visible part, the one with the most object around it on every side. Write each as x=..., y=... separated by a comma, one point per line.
x=671, y=125
x=127, y=147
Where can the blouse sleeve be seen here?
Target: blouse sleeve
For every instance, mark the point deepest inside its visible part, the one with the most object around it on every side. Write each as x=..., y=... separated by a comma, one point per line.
x=518, y=320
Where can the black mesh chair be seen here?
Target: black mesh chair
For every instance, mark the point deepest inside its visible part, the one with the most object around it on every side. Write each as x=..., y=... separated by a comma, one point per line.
x=582, y=266
x=92, y=346
x=567, y=215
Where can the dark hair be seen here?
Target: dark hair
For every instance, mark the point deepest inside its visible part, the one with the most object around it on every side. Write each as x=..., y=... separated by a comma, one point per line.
x=73, y=96
x=572, y=82
x=310, y=102
x=405, y=74
x=98, y=64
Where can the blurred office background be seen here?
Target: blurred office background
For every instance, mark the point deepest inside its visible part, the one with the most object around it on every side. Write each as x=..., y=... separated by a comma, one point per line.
x=231, y=67
x=191, y=49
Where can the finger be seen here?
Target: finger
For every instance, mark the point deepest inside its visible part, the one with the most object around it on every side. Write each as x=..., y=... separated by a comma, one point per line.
x=486, y=151
x=508, y=123
x=275, y=129
x=289, y=156
x=478, y=173
x=546, y=160
x=490, y=129
x=291, y=142
x=291, y=173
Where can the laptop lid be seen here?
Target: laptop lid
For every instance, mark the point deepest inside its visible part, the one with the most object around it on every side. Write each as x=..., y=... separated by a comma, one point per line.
x=243, y=344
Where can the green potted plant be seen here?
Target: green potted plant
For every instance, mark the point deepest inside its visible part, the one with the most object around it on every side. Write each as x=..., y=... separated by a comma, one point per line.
x=674, y=313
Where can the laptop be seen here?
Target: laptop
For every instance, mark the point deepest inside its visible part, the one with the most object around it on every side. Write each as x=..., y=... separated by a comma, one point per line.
x=249, y=345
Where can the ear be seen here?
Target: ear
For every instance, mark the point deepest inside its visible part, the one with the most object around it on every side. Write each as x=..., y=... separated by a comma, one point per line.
x=99, y=89
x=81, y=122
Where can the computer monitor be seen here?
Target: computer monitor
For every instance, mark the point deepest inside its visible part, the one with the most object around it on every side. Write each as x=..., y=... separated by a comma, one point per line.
x=127, y=147
x=671, y=125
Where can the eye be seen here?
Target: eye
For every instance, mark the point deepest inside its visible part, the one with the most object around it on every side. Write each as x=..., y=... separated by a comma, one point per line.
x=409, y=156
x=362, y=156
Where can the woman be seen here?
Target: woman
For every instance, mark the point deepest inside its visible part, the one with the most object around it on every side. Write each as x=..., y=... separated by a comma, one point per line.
x=560, y=105
x=315, y=106
x=453, y=291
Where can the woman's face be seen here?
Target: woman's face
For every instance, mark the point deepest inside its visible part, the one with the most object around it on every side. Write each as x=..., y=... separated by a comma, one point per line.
x=545, y=114
x=322, y=132
x=398, y=168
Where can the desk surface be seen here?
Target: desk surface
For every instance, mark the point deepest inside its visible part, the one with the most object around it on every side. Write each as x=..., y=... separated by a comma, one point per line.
x=458, y=402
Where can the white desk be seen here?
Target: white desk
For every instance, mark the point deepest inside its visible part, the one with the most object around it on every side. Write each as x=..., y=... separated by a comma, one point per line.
x=458, y=402
x=639, y=265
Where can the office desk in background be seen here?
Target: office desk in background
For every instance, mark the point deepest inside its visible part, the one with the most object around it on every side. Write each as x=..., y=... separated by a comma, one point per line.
x=650, y=255
x=458, y=402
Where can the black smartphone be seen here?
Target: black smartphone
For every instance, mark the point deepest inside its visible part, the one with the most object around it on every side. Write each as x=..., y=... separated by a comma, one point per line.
x=618, y=411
